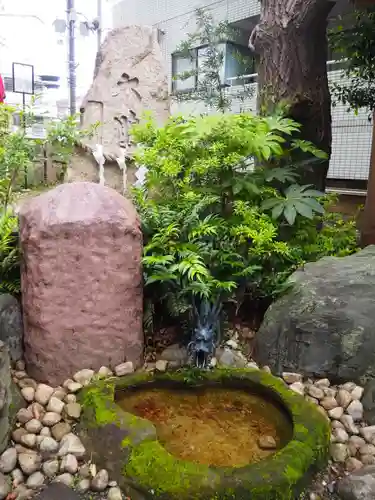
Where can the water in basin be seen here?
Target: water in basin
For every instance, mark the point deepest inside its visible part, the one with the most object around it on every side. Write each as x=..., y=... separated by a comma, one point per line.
x=214, y=426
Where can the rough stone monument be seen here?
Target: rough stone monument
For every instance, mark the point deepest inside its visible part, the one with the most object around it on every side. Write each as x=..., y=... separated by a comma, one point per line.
x=81, y=281
x=130, y=78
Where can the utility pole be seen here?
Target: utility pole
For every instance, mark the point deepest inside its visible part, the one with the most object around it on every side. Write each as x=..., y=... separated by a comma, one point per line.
x=100, y=24
x=71, y=19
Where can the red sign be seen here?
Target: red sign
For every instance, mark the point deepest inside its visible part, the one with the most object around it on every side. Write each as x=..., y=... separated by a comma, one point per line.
x=2, y=90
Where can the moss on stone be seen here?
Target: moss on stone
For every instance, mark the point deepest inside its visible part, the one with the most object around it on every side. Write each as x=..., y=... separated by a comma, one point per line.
x=147, y=466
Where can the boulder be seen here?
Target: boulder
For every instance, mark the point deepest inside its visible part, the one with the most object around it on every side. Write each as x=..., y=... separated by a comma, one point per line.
x=323, y=325
x=10, y=399
x=130, y=78
x=81, y=281
x=11, y=327
x=360, y=485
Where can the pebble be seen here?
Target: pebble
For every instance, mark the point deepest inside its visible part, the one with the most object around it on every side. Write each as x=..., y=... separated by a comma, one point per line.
x=339, y=452
x=104, y=371
x=51, y=468
x=349, y=425
x=83, y=486
x=49, y=445
x=35, y=480
x=43, y=393
x=70, y=398
x=100, y=481
x=323, y=383
x=267, y=443
x=336, y=424
x=37, y=410
x=357, y=441
x=357, y=393
x=352, y=464
x=51, y=418
x=355, y=409
x=329, y=403
x=290, y=377
x=55, y=405
x=161, y=365
x=27, y=382
x=28, y=393
x=28, y=440
x=71, y=443
x=60, y=430
x=251, y=365
x=8, y=460
x=69, y=464
x=59, y=393
x=336, y=413
x=20, y=365
x=4, y=486
x=368, y=459
x=65, y=478
x=23, y=493
x=368, y=433
x=124, y=369
x=84, y=376
x=29, y=462
x=349, y=386
x=330, y=392
x=18, y=477
x=24, y=415
x=34, y=426
x=266, y=369
x=297, y=387
x=340, y=435
x=367, y=449
x=315, y=392
x=74, y=387
x=73, y=410
x=114, y=494
x=84, y=471
x=46, y=432
x=343, y=398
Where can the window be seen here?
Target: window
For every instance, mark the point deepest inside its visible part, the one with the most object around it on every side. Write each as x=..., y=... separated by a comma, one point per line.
x=238, y=61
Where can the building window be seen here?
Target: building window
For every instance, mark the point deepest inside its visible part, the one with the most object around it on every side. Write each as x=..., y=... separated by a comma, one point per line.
x=238, y=61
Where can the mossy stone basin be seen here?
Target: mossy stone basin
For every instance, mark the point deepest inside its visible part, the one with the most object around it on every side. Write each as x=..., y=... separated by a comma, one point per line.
x=128, y=445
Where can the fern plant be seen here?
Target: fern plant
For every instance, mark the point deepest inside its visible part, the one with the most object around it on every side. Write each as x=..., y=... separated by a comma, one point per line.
x=223, y=216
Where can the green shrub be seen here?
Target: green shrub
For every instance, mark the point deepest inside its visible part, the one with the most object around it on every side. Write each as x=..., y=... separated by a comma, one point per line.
x=223, y=216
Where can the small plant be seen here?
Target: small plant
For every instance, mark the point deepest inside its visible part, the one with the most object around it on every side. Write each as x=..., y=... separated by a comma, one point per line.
x=222, y=220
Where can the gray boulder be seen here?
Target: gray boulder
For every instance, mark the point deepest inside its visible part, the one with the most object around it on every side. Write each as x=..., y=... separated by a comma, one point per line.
x=11, y=326
x=10, y=398
x=324, y=324
x=358, y=486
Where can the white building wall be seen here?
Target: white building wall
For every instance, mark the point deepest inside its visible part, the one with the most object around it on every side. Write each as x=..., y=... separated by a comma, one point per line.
x=352, y=134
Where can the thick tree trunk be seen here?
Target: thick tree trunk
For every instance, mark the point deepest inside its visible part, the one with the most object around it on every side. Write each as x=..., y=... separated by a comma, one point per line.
x=368, y=218
x=291, y=43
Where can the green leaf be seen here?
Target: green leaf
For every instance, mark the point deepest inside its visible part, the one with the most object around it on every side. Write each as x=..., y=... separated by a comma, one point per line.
x=290, y=214
x=277, y=210
x=303, y=209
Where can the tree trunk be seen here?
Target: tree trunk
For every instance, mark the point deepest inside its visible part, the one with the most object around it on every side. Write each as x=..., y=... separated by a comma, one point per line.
x=368, y=217
x=291, y=42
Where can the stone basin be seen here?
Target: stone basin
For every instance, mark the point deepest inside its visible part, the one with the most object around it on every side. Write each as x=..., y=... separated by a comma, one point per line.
x=149, y=461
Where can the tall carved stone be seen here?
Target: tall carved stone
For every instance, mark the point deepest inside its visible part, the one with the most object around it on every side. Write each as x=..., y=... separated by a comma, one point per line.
x=130, y=78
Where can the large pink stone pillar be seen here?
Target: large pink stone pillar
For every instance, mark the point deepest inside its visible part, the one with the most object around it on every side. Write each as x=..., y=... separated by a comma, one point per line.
x=81, y=281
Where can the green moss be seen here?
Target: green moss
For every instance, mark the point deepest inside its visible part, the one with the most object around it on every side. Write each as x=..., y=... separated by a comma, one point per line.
x=148, y=465
x=154, y=468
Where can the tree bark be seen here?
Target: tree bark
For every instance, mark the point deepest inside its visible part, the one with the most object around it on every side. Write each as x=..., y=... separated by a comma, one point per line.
x=368, y=217
x=291, y=43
